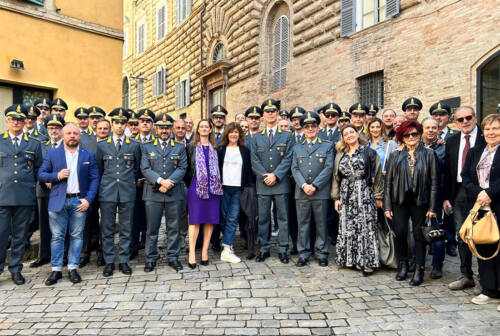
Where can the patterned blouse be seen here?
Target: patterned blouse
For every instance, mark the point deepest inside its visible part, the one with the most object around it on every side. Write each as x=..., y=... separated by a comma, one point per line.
x=484, y=166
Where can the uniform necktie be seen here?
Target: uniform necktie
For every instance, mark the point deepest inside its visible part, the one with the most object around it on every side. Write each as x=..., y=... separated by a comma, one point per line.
x=164, y=146
x=466, y=149
x=217, y=135
x=118, y=144
x=330, y=133
x=271, y=135
x=310, y=145
x=298, y=138
x=16, y=144
x=144, y=139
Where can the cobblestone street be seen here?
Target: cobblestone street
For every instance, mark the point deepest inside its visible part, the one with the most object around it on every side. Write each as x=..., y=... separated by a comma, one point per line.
x=249, y=298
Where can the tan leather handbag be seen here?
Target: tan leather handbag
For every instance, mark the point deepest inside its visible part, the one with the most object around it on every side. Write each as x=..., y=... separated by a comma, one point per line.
x=480, y=227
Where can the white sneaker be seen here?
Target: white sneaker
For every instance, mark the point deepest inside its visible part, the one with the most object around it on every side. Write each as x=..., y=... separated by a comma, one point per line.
x=483, y=299
x=275, y=233
x=229, y=256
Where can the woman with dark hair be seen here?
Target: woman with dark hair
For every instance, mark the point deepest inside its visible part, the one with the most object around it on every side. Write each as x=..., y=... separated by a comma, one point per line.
x=378, y=140
x=204, y=189
x=235, y=167
x=357, y=191
x=411, y=191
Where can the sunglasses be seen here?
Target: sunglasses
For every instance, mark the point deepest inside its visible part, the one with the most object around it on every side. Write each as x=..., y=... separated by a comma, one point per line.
x=43, y=108
x=133, y=123
x=331, y=115
x=440, y=113
x=311, y=126
x=58, y=109
x=468, y=118
x=412, y=135
x=271, y=110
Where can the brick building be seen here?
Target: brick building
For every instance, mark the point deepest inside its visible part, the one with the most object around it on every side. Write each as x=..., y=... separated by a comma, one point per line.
x=184, y=56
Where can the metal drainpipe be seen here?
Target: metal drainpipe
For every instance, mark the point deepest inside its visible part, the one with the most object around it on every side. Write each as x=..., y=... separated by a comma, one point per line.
x=201, y=54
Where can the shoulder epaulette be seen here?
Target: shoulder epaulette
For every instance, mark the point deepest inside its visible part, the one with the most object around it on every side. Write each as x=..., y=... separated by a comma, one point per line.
x=101, y=140
x=149, y=141
x=324, y=140
x=319, y=140
x=29, y=136
x=304, y=141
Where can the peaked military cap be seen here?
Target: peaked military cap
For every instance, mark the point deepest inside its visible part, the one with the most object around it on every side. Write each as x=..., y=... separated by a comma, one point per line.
x=42, y=102
x=54, y=119
x=96, y=111
x=81, y=112
x=32, y=112
x=17, y=111
x=284, y=113
x=146, y=114
x=297, y=112
x=412, y=102
x=164, y=120
x=119, y=114
x=345, y=116
x=133, y=117
x=58, y=103
x=254, y=112
x=309, y=118
x=270, y=104
x=373, y=110
x=358, y=108
x=218, y=111
x=330, y=107
x=439, y=108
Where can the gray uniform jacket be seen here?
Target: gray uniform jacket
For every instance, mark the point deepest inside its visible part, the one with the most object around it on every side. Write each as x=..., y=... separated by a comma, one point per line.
x=89, y=141
x=118, y=170
x=313, y=166
x=171, y=164
x=323, y=135
x=275, y=157
x=18, y=170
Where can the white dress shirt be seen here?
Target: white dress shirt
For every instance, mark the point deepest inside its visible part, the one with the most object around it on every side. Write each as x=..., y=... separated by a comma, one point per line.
x=72, y=164
x=275, y=128
x=115, y=140
x=19, y=138
x=472, y=141
x=327, y=130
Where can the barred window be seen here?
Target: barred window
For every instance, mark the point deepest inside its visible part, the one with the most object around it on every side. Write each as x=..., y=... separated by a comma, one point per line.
x=281, y=50
x=371, y=89
x=219, y=53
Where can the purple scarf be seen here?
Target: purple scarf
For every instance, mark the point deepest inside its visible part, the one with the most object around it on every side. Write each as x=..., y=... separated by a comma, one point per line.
x=202, y=178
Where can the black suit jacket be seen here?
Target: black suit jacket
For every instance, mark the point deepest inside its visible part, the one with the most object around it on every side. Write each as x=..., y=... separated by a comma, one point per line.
x=246, y=169
x=470, y=179
x=450, y=168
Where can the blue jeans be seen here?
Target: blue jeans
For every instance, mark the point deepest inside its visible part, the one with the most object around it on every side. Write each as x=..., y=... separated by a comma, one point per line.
x=66, y=219
x=230, y=204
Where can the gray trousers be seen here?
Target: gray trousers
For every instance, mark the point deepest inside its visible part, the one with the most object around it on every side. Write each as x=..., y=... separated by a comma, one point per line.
x=173, y=219
x=108, y=220
x=14, y=222
x=319, y=210
x=264, y=208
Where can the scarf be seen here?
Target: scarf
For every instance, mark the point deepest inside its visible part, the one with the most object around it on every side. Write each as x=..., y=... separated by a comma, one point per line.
x=203, y=177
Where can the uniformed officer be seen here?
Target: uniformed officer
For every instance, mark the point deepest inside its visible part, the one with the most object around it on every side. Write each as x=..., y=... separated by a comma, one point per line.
x=441, y=112
x=133, y=124
x=30, y=123
x=118, y=159
x=218, y=116
x=96, y=114
x=20, y=158
x=164, y=164
x=253, y=115
x=283, y=114
x=146, y=118
x=312, y=168
x=59, y=106
x=331, y=132
x=411, y=107
x=54, y=124
x=344, y=119
x=271, y=156
x=358, y=113
x=372, y=113
x=43, y=105
x=88, y=138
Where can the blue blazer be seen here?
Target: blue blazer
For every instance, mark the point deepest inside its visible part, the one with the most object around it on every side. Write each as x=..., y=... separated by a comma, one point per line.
x=88, y=176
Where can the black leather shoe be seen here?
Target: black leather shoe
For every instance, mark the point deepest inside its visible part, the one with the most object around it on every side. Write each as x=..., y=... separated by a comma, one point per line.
x=323, y=262
x=125, y=268
x=192, y=266
x=451, y=250
x=437, y=272
x=262, y=257
x=100, y=259
x=402, y=271
x=176, y=265
x=301, y=262
x=294, y=251
x=18, y=278
x=149, y=267
x=108, y=270
x=39, y=262
x=250, y=255
x=418, y=277
x=53, y=277
x=284, y=258
x=83, y=261
x=74, y=277
x=204, y=262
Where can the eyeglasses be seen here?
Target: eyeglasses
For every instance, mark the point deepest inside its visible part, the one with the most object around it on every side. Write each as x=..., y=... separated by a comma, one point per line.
x=412, y=134
x=440, y=113
x=311, y=126
x=58, y=109
x=43, y=108
x=468, y=118
x=331, y=115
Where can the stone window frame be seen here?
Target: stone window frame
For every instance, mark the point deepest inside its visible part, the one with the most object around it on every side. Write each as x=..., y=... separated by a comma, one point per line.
x=351, y=15
x=484, y=61
x=159, y=6
x=371, y=87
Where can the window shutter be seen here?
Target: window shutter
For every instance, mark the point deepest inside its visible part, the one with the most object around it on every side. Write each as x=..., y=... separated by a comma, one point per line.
x=155, y=88
x=177, y=96
x=391, y=8
x=160, y=23
x=178, y=12
x=189, y=7
x=284, y=50
x=188, y=91
x=347, y=17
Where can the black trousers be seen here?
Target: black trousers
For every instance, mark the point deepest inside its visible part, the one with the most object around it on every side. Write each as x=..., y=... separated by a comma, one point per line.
x=14, y=222
x=400, y=219
x=489, y=271
x=45, y=234
x=461, y=210
x=92, y=231
x=139, y=225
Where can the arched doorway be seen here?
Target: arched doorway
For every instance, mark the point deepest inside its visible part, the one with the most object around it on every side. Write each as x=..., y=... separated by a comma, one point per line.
x=488, y=84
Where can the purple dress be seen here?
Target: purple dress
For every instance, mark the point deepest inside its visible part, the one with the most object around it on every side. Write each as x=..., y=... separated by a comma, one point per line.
x=202, y=211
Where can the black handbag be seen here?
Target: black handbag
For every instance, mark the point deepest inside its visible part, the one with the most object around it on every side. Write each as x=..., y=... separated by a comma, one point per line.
x=432, y=230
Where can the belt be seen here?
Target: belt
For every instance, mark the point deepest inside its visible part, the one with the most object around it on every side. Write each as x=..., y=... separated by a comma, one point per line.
x=72, y=195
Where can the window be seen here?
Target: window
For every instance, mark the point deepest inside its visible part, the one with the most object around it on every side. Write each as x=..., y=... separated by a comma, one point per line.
x=161, y=22
x=125, y=95
x=216, y=97
x=489, y=86
x=371, y=89
x=140, y=92
x=183, y=93
x=183, y=9
x=219, y=53
x=125, y=43
x=356, y=15
x=141, y=38
x=280, y=59
x=159, y=80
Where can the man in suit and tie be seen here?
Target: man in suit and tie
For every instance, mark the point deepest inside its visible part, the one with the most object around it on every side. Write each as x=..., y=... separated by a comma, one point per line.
x=271, y=156
x=72, y=173
x=20, y=158
x=118, y=159
x=54, y=124
x=455, y=195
